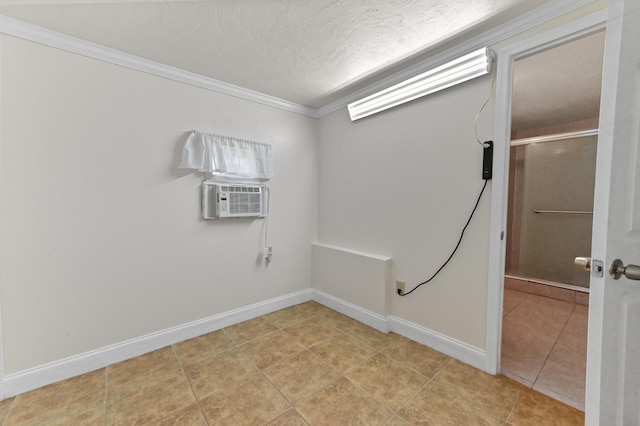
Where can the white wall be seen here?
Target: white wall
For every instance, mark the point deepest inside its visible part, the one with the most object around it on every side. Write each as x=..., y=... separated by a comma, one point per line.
x=402, y=183
x=101, y=235
x=361, y=279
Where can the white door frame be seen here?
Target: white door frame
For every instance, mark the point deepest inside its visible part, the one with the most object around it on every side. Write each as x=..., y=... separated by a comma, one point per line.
x=500, y=185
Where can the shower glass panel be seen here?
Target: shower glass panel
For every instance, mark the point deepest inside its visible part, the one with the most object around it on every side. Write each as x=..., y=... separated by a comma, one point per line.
x=550, y=209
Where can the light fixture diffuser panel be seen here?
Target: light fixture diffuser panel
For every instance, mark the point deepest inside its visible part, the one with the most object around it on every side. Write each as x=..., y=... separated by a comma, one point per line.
x=467, y=67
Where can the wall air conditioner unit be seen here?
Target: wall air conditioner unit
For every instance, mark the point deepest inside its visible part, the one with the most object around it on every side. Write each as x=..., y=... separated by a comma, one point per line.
x=227, y=200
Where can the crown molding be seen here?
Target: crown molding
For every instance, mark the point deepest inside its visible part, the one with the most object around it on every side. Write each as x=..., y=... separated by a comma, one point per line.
x=490, y=37
x=30, y=32
x=89, y=49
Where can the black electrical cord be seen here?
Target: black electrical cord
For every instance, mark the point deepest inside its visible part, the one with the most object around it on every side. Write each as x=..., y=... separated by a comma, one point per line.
x=400, y=293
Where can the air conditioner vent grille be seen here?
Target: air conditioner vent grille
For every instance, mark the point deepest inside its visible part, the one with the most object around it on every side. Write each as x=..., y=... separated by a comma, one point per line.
x=228, y=200
x=240, y=188
x=242, y=203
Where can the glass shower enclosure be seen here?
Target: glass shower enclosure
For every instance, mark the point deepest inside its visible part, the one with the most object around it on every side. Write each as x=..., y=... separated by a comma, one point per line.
x=550, y=210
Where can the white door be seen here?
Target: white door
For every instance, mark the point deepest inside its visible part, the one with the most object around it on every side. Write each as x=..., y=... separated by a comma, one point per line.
x=613, y=355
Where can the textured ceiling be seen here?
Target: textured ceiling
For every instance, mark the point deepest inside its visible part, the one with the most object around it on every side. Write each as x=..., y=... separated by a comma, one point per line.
x=305, y=51
x=558, y=86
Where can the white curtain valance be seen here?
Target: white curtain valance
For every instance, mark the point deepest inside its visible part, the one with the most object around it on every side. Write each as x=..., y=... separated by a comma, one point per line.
x=226, y=155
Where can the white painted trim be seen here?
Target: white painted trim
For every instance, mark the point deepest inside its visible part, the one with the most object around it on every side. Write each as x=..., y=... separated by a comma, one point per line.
x=365, y=316
x=495, y=35
x=356, y=252
x=441, y=343
x=68, y=43
x=58, y=40
x=499, y=187
x=25, y=381
x=2, y=201
x=448, y=346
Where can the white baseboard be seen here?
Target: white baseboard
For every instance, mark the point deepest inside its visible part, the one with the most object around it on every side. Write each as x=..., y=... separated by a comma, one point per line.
x=454, y=348
x=27, y=380
x=448, y=346
x=34, y=378
x=349, y=309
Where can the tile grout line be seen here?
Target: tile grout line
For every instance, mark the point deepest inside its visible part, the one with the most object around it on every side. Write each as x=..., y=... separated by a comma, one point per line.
x=341, y=375
x=280, y=328
x=429, y=380
x=388, y=345
x=306, y=349
x=473, y=403
x=184, y=373
x=522, y=391
x=291, y=405
x=504, y=315
x=106, y=394
x=6, y=418
x=553, y=346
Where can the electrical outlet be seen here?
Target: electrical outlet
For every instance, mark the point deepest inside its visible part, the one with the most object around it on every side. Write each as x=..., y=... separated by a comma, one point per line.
x=268, y=253
x=400, y=286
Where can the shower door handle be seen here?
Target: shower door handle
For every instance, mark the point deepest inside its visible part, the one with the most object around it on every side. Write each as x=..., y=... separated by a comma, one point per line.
x=582, y=263
x=618, y=269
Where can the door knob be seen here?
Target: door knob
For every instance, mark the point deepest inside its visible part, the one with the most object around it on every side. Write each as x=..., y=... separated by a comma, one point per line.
x=582, y=263
x=618, y=269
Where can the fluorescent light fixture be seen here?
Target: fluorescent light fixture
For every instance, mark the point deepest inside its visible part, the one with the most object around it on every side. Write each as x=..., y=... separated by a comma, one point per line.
x=467, y=67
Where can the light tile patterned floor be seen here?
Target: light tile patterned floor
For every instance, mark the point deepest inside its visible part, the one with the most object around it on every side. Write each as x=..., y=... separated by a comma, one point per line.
x=304, y=365
x=544, y=345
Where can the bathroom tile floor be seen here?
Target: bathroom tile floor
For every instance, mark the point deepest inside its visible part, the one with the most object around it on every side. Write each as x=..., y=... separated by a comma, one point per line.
x=303, y=365
x=544, y=345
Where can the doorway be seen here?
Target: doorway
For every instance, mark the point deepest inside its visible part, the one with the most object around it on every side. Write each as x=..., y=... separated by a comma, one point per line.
x=551, y=174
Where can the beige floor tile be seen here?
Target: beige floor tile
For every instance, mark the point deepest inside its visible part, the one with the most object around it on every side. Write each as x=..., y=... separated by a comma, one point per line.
x=237, y=405
x=534, y=409
x=196, y=349
x=382, y=370
x=92, y=414
x=573, y=339
x=420, y=358
x=341, y=403
x=521, y=365
x=215, y=373
x=89, y=414
x=493, y=395
x=68, y=398
x=5, y=406
x=397, y=421
x=438, y=405
x=512, y=298
x=188, y=416
x=368, y=335
x=337, y=320
x=565, y=380
x=135, y=372
x=343, y=352
x=529, y=332
x=271, y=348
x=288, y=316
x=564, y=373
x=311, y=332
x=290, y=418
x=250, y=330
x=313, y=308
x=286, y=374
x=151, y=402
x=387, y=381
